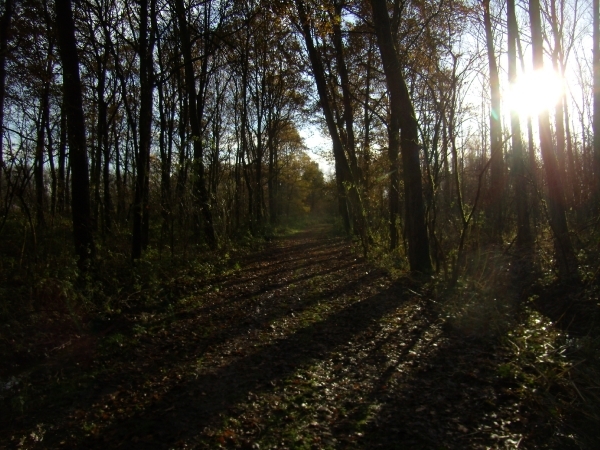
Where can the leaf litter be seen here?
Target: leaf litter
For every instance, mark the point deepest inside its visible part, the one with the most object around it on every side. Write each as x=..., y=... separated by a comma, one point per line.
x=303, y=346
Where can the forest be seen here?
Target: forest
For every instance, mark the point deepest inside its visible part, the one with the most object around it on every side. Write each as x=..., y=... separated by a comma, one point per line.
x=300, y=224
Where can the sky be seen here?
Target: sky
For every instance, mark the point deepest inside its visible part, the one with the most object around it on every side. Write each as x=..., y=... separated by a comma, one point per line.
x=318, y=148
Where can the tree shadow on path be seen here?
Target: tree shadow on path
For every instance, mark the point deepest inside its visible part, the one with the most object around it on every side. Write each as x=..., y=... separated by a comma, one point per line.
x=321, y=350
x=194, y=404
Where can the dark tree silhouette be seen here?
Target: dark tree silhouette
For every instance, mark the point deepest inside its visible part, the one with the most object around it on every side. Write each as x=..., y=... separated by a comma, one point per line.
x=403, y=133
x=78, y=159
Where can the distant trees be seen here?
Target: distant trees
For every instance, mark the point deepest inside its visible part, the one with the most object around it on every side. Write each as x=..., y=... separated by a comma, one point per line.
x=351, y=206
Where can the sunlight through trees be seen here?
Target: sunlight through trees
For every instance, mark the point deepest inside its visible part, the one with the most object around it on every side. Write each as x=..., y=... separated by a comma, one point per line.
x=184, y=125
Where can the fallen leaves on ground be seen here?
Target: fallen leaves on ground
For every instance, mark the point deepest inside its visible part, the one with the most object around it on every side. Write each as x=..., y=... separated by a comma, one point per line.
x=305, y=345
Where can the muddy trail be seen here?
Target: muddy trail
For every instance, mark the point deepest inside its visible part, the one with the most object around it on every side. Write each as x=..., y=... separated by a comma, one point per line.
x=302, y=345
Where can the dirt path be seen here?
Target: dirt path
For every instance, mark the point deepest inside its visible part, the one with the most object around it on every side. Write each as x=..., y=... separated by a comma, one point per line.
x=305, y=345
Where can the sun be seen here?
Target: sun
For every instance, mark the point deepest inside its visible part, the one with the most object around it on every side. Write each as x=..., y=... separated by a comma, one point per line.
x=535, y=92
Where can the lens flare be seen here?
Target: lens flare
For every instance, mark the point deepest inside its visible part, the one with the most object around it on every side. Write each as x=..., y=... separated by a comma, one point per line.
x=535, y=92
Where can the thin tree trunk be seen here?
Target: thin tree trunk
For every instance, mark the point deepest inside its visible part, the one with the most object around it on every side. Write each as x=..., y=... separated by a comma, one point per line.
x=166, y=152
x=140, y=205
x=347, y=118
x=182, y=174
x=496, y=191
x=571, y=164
x=524, y=237
x=5, y=23
x=62, y=156
x=52, y=167
x=367, y=130
x=101, y=139
x=194, y=107
x=596, y=119
x=343, y=171
x=40, y=189
x=259, y=111
x=108, y=203
x=348, y=111
x=271, y=183
x=118, y=177
x=559, y=120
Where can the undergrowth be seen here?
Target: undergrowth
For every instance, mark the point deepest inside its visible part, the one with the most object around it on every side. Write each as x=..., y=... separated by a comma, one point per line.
x=546, y=333
x=45, y=298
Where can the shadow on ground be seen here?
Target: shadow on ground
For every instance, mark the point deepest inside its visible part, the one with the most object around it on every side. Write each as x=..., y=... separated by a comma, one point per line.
x=306, y=346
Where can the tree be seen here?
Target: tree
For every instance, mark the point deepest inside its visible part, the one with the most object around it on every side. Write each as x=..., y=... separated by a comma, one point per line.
x=195, y=111
x=563, y=248
x=80, y=183
x=596, y=119
x=403, y=133
x=496, y=188
x=5, y=23
x=344, y=176
x=524, y=238
x=142, y=189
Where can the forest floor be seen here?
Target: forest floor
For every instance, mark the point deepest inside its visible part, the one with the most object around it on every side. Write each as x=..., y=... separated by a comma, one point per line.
x=301, y=345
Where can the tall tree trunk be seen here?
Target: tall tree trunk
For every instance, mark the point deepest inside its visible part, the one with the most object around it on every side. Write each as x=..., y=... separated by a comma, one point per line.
x=80, y=183
x=199, y=186
x=259, y=111
x=244, y=132
x=62, y=156
x=140, y=204
x=596, y=125
x=496, y=189
x=559, y=118
x=101, y=134
x=571, y=166
x=118, y=176
x=182, y=173
x=531, y=165
x=403, y=115
x=272, y=168
x=367, y=130
x=194, y=108
x=565, y=255
x=108, y=206
x=166, y=152
x=347, y=116
x=524, y=237
x=344, y=176
x=5, y=23
x=342, y=169
x=53, y=183
x=40, y=189
x=49, y=78
x=348, y=112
